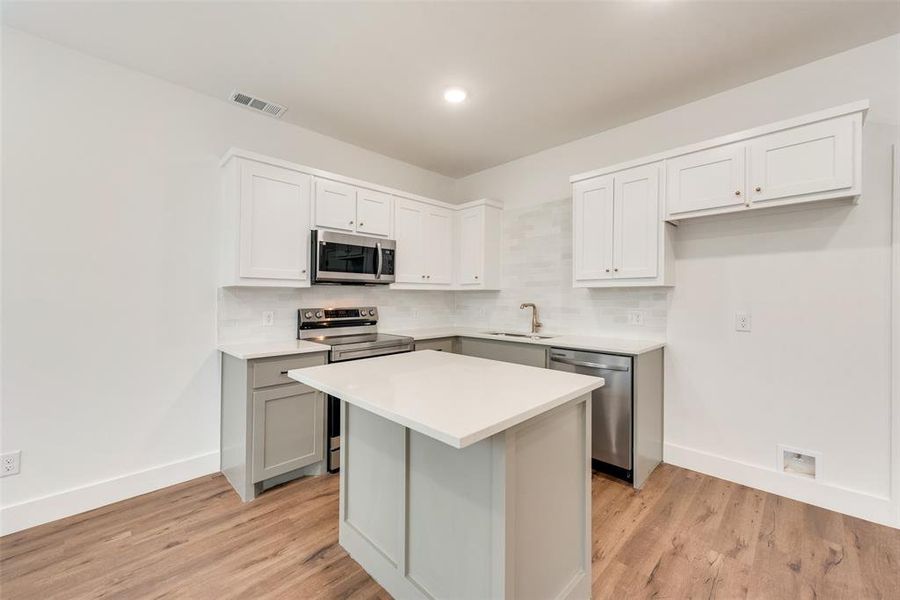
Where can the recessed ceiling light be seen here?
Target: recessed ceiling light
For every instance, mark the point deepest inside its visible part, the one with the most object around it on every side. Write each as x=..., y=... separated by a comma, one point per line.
x=455, y=95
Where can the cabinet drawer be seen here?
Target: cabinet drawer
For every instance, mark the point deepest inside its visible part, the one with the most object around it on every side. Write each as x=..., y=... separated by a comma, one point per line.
x=273, y=371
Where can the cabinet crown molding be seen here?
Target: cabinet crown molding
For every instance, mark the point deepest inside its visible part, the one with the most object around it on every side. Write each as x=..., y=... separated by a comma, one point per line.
x=860, y=106
x=234, y=152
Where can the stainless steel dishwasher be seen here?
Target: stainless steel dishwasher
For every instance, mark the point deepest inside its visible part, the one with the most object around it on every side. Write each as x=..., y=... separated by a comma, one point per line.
x=611, y=406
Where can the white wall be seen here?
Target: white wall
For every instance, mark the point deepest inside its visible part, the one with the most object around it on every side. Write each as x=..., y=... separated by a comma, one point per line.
x=109, y=254
x=816, y=370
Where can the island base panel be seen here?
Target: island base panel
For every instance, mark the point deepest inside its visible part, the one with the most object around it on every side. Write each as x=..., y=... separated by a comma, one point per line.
x=507, y=517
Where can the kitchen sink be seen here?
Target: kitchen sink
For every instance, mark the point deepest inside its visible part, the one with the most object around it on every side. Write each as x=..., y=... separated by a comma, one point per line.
x=520, y=335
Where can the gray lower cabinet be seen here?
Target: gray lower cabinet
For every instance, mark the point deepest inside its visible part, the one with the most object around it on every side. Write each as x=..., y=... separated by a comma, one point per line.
x=288, y=429
x=273, y=428
x=522, y=354
x=447, y=344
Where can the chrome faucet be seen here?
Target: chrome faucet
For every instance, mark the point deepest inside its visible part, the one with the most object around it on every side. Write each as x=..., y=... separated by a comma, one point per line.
x=535, y=324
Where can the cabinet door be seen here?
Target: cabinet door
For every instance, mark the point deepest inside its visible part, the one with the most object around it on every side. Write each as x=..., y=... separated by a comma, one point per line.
x=274, y=222
x=803, y=160
x=373, y=213
x=593, y=228
x=471, y=246
x=409, y=264
x=438, y=245
x=288, y=430
x=706, y=180
x=335, y=205
x=636, y=230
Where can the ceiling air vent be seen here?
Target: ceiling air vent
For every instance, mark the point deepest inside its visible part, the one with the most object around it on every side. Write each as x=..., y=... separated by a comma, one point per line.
x=270, y=108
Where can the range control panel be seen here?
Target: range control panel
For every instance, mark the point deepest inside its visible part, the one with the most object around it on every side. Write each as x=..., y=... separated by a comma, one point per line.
x=322, y=317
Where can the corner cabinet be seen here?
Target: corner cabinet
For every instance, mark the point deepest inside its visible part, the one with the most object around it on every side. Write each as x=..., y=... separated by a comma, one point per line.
x=619, y=238
x=439, y=247
x=478, y=227
x=265, y=234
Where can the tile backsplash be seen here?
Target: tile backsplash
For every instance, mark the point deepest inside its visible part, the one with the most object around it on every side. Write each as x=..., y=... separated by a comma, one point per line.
x=537, y=267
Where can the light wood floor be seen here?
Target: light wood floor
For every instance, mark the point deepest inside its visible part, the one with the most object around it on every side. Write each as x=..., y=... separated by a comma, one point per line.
x=685, y=535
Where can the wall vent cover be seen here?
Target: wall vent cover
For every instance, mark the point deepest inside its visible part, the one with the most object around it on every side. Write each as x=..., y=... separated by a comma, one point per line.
x=270, y=108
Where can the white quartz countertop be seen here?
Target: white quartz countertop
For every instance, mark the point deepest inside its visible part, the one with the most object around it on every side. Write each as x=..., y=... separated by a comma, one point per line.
x=458, y=400
x=250, y=350
x=633, y=347
x=628, y=346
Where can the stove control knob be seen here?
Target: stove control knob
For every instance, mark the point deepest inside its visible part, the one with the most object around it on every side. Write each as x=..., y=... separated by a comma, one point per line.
x=371, y=312
x=318, y=314
x=307, y=315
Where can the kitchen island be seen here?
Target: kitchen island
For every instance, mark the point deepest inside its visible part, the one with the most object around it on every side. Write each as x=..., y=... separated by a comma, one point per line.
x=463, y=477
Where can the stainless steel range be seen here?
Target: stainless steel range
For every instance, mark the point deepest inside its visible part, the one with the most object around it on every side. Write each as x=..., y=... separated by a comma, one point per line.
x=351, y=333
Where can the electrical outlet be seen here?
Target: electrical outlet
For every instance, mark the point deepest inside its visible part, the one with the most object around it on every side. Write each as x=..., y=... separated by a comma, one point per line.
x=742, y=321
x=10, y=463
x=268, y=318
x=635, y=317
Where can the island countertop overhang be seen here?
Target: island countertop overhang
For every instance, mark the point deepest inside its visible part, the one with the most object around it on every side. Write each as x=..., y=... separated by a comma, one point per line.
x=458, y=400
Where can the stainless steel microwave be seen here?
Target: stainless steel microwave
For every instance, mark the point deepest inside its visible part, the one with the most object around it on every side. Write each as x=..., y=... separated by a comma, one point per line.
x=351, y=259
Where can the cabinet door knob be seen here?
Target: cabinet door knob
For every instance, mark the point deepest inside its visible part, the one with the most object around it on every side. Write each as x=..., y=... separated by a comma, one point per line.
x=616, y=269
x=303, y=271
x=758, y=189
x=351, y=222
x=476, y=277
x=737, y=193
x=361, y=223
x=607, y=270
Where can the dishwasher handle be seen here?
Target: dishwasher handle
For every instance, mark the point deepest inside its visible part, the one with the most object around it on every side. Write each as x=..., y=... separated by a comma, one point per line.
x=582, y=363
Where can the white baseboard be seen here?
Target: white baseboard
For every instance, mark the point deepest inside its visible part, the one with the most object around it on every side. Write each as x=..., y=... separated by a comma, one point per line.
x=94, y=495
x=877, y=509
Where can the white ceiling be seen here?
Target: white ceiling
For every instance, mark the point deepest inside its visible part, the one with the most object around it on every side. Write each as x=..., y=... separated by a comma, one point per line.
x=539, y=73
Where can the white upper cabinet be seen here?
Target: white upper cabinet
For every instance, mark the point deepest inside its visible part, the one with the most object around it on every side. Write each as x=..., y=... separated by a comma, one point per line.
x=344, y=207
x=373, y=213
x=810, y=159
x=266, y=232
x=636, y=228
x=335, y=205
x=270, y=206
x=705, y=180
x=471, y=246
x=409, y=262
x=424, y=236
x=618, y=235
x=592, y=202
x=478, y=247
x=438, y=245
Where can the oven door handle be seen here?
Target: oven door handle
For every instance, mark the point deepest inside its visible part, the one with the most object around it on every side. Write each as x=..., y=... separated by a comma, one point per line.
x=380, y=260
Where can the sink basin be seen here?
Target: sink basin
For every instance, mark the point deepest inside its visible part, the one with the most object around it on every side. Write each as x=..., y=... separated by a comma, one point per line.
x=520, y=335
